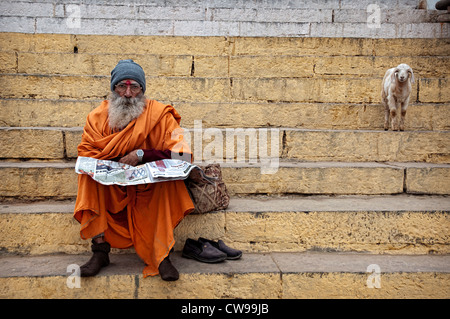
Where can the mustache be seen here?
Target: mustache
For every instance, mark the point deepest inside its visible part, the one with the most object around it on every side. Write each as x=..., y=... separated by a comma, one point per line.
x=126, y=101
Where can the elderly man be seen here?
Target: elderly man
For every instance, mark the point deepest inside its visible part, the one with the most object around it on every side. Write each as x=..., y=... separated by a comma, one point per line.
x=131, y=129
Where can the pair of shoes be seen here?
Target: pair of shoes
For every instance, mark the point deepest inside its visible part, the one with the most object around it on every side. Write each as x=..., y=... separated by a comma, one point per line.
x=204, y=252
x=99, y=259
x=232, y=253
x=208, y=251
x=167, y=271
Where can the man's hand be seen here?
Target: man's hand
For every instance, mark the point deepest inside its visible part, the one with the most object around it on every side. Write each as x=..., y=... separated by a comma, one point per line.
x=130, y=159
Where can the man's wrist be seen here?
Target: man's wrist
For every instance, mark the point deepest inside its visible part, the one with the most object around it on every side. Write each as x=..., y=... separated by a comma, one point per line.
x=140, y=155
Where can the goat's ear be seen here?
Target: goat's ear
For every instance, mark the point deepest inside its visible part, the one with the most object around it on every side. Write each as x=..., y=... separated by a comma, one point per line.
x=394, y=74
x=412, y=75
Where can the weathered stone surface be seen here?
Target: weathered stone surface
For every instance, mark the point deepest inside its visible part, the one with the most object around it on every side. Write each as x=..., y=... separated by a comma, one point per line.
x=47, y=112
x=72, y=113
x=316, y=178
x=379, y=232
x=265, y=276
x=315, y=145
x=58, y=180
x=434, y=90
x=38, y=180
x=73, y=139
x=341, y=46
x=23, y=231
x=312, y=145
x=100, y=64
x=386, y=224
x=395, y=286
x=324, y=90
x=31, y=143
x=97, y=87
x=425, y=67
x=210, y=66
x=107, y=44
x=420, y=179
x=272, y=66
x=8, y=62
x=152, y=45
x=54, y=87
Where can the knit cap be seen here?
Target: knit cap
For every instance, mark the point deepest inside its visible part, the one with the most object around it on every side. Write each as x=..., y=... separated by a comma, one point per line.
x=127, y=69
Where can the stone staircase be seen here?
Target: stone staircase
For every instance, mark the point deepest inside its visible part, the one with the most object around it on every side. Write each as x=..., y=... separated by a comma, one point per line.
x=347, y=202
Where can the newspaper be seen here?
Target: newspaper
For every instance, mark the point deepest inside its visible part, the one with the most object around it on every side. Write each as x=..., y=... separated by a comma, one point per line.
x=109, y=172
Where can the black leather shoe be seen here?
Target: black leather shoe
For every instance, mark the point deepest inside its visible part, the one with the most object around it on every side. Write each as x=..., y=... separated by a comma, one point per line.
x=99, y=259
x=203, y=252
x=231, y=252
x=167, y=271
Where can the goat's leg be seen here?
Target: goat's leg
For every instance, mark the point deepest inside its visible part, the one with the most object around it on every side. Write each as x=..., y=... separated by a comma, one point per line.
x=393, y=112
x=403, y=114
x=402, y=120
x=394, y=120
x=386, y=115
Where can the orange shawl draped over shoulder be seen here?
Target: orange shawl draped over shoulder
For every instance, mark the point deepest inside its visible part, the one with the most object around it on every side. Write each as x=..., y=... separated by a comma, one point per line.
x=142, y=216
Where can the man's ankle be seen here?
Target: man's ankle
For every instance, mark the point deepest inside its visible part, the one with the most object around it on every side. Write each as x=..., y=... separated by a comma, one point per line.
x=99, y=239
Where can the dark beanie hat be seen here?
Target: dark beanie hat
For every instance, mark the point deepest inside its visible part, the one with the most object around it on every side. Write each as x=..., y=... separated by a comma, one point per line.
x=127, y=69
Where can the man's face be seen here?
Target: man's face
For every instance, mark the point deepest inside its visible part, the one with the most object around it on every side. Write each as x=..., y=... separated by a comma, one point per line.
x=128, y=88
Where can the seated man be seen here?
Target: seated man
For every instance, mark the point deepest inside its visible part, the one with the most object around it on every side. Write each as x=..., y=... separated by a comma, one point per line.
x=131, y=129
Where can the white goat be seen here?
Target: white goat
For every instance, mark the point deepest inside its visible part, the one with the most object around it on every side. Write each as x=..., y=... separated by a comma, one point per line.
x=395, y=93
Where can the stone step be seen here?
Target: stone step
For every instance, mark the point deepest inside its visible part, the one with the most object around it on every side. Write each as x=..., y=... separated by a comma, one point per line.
x=203, y=18
x=175, y=28
x=285, y=143
x=70, y=113
x=218, y=46
x=258, y=11
x=220, y=89
x=400, y=224
x=169, y=9
x=57, y=180
x=353, y=146
x=255, y=276
x=185, y=64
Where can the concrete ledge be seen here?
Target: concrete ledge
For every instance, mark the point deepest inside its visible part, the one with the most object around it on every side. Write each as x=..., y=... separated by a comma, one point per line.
x=206, y=18
x=340, y=145
x=219, y=46
x=334, y=89
x=31, y=143
x=58, y=180
x=298, y=144
x=346, y=116
x=420, y=178
x=265, y=276
x=37, y=180
x=401, y=224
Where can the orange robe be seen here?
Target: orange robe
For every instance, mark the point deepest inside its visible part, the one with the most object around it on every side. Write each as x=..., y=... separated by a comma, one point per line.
x=143, y=216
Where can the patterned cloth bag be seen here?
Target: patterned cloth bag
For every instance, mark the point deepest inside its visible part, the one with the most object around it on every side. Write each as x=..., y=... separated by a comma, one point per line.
x=207, y=189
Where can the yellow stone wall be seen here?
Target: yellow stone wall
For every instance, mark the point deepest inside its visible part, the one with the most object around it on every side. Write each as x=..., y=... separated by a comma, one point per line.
x=323, y=94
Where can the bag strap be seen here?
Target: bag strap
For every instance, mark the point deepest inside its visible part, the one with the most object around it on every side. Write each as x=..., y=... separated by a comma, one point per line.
x=210, y=179
x=204, y=193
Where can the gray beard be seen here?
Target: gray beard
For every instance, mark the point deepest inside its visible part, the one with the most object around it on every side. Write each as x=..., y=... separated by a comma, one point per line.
x=123, y=110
